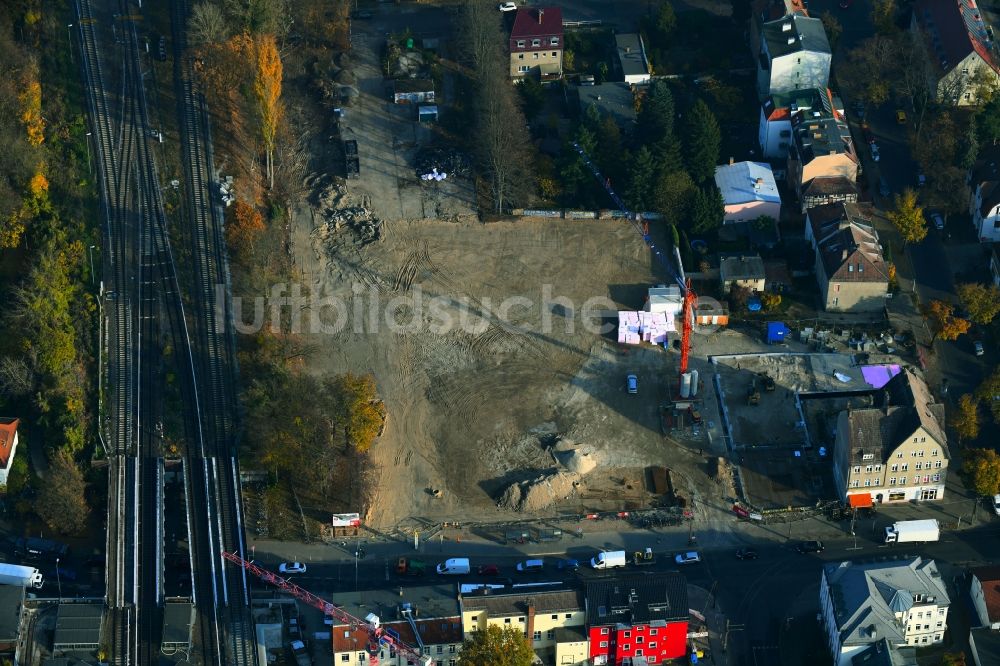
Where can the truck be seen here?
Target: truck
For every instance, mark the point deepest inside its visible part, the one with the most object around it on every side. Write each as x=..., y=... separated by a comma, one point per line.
x=913, y=531
x=410, y=567
x=608, y=559
x=352, y=164
x=15, y=574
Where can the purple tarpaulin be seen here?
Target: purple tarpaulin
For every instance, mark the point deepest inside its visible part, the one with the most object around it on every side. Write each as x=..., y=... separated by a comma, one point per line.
x=879, y=375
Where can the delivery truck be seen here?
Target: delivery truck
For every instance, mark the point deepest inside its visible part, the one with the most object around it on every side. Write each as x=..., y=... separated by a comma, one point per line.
x=456, y=566
x=913, y=531
x=15, y=574
x=608, y=559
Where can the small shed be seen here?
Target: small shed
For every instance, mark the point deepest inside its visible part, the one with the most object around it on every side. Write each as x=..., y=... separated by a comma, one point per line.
x=413, y=91
x=744, y=270
x=777, y=332
x=427, y=113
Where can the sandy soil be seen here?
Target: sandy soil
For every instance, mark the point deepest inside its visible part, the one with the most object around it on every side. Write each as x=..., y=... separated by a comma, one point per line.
x=471, y=408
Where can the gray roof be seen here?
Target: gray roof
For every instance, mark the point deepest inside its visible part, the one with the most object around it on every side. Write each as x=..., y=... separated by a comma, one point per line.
x=816, y=137
x=11, y=598
x=631, y=54
x=805, y=34
x=78, y=626
x=614, y=98
x=741, y=267
x=884, y=653
x=744, y=182
x=544, y=601
x=867, y=597
x=431, y=601
x=902, y=405
x=178, y=619
x=986, y=643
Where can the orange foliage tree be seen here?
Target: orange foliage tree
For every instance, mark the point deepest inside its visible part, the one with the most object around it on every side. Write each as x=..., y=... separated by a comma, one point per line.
x=267, y=91
x=943, y=321
x=245, y=225
x=31, y=110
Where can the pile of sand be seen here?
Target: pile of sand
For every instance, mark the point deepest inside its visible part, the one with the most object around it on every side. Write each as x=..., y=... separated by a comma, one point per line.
x=538, y=493
x=573, y=457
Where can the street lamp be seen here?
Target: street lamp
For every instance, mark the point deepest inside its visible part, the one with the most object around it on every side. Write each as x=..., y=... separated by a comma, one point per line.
x=58, y=580
x=90, y=251
x=90, y=167
x=69, y=40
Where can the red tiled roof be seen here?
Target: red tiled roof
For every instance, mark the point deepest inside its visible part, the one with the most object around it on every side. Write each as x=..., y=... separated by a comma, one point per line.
x=528, y=23
x=989, y=578
x=8, y=430
x=959, y=30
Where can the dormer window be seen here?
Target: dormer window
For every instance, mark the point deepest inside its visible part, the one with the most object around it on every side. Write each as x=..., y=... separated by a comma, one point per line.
x=520, y=43
x=555, y=41
x=536, y=42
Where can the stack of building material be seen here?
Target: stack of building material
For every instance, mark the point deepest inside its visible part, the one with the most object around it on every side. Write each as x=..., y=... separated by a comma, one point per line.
x=628, y=327
x=637, y=327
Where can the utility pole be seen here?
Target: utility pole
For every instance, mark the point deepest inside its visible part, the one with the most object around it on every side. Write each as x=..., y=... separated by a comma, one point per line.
x=90, y=251
x=90, y=166
x=69, y=40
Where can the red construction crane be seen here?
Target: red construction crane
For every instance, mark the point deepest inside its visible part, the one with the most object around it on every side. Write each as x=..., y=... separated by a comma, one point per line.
x=687, y=313
x=377, y=635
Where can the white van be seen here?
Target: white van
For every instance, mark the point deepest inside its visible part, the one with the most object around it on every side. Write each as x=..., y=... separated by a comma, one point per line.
x=455, y=566
x=609, y=559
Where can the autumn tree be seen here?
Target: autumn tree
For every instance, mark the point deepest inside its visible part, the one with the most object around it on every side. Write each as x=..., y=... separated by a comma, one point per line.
x=267, y=92
x=356, y=409
x=496, y=646
x=989, y=392
x=244, y=227
x=965, y=418
x=208, y=24
x=953, y=659
x=884, y=16
x=982, y=301
x=982, y=466
x=770, y=301
x=61, y=502
x=868, y=69
x=943, y=322
x=707, y=209
x=31, y=106
x=908, y=217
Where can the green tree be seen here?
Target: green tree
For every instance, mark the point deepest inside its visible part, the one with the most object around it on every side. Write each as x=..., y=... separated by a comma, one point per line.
x=884, y=16
x=672, y=199
x=656, y=117
x=833, y=29
x=532, y=96
x=707, y=209
x=982, y=466
x=965, y=418
x=982, y=301
x=908, y=217
x=675, y=239
x=686, y=257
x=18, y=476
x=666, y=21
x=641, y=181
x=988, y=122
x=702, y=141
x=62, y=502
x=609, y=148
x=496, y=646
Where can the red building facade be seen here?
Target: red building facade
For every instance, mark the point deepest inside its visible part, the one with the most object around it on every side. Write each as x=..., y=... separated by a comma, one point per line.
x=635, y=616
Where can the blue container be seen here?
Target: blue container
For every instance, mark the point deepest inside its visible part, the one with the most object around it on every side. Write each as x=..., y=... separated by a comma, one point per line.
x=776, y=332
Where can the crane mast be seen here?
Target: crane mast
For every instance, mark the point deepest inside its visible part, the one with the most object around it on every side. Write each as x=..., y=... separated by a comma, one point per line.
x=377, y=635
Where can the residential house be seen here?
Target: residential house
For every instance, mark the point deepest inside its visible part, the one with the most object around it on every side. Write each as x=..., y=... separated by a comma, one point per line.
x=822, y=148
x=984, y=637
x=637, y=618
x=794, y=55
x=742, y=270
x=984, y=200
x=632, y=58
x=553, y=619
x=884, y=653
x=902, y=602
x=8, y=446
x=613, y=98
x=426, y=618
x=748, y=191
x=536, y=43
x=959, y=49
x=775, y=127
x=413, y=91
x=850, y=270
x=896, y=450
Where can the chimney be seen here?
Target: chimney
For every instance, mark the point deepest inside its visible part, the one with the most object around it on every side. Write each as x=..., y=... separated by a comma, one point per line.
x=541, y=13
x=531, y=619
x=843, y=254
x=760, y=182
x=730, y=161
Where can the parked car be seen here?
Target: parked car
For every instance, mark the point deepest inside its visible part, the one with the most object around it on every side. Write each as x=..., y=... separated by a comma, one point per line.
x=746, y=554
x=292, y=568
x=996, y=504
x=529, y=566
x=567, y=564
x=488, y=570
x=874, y=150
x=978, y=346
x=690, y=557
x=507, y=6
x=900, y=116
x=632, y=383
x=938, y=221
x=809, y=547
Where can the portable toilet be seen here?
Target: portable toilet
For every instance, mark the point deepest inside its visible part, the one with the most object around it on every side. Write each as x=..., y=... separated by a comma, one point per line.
x=776, y=332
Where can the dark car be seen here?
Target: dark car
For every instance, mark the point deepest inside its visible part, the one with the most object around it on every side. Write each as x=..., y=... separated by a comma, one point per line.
x=746, y=554
x=809, y=547
x=567, y=564
x=488, y=570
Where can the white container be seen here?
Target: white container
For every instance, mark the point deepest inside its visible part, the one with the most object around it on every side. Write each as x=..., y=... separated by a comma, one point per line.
x=694, y=383
x=686, y=385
